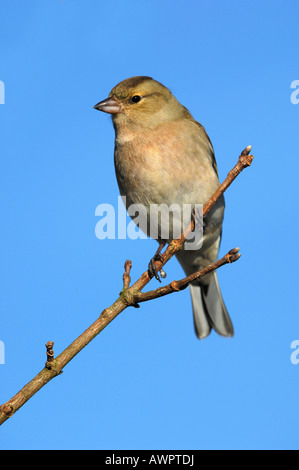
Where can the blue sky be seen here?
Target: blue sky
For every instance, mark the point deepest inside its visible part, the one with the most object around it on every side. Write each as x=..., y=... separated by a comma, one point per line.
x=146, y=382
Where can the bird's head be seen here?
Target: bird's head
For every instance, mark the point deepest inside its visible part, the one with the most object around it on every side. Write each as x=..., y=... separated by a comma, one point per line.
x=141, y=101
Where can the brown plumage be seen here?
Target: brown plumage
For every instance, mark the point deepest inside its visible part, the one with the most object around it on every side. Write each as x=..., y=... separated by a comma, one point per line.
x=163, y=156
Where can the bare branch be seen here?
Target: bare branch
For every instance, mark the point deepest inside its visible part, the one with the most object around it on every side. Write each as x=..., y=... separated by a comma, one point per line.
x=176, y=286
x=129, y=296
x=126, y=276
x=244, y=161
x=50, y=354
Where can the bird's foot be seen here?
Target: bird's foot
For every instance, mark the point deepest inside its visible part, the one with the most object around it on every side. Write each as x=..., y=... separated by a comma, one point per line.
x=152, y=270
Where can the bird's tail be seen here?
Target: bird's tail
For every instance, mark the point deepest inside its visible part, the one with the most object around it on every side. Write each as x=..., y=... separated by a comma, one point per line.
x=209, y=310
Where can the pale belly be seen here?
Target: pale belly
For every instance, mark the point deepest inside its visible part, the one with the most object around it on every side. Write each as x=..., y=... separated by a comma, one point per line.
x=161, y=194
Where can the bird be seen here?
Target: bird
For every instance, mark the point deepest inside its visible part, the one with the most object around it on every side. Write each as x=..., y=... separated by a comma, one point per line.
x=162, y=155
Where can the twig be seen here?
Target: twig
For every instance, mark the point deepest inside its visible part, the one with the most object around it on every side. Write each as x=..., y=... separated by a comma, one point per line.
x=245, y=160
x=128, y=296
x=176, y=286
x=50, y=354
x=126, y=276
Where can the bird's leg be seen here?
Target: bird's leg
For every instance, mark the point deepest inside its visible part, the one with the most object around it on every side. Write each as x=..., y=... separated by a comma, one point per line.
x=198, y=219
x=157, y=257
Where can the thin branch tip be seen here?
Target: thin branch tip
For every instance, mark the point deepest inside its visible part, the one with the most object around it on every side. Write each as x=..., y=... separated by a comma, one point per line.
x=128, y=266
x=234, y=251
x=246, y=158
x=50, y=354
x=234, y=255
x=247, y=150
x=126, y=275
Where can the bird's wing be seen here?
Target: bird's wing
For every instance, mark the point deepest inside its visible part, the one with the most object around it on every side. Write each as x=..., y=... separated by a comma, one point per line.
x=212, y=153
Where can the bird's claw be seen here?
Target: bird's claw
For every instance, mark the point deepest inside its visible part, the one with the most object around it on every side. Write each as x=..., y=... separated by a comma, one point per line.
x=152, y=270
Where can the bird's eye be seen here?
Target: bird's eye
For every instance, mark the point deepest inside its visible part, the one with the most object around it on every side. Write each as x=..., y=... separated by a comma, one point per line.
x=135, y=99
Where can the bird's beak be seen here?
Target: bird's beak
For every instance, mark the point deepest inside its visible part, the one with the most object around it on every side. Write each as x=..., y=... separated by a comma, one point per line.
x=109, y=105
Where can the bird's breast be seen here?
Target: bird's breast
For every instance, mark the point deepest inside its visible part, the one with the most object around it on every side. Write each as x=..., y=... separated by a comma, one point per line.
x=170, y=164
x=171, y=167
